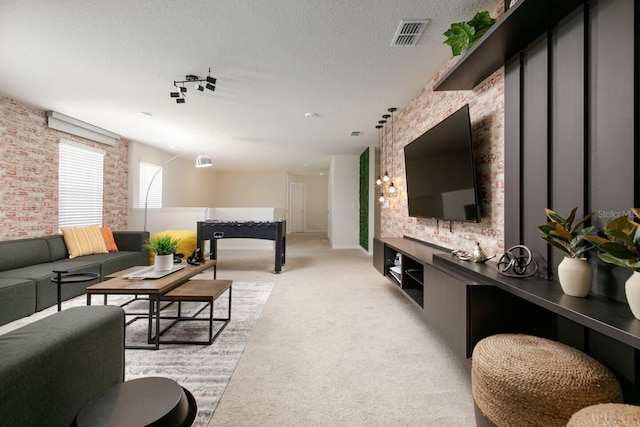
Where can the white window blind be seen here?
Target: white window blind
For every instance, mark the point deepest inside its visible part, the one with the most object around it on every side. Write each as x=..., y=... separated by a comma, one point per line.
x=147, y=171
x=80, y=182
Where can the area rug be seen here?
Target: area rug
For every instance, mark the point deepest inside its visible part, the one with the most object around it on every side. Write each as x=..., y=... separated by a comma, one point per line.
x=202, y=369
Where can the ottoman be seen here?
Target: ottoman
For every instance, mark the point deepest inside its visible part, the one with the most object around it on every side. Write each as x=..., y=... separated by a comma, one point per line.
x=606, y=415
x=523, y=380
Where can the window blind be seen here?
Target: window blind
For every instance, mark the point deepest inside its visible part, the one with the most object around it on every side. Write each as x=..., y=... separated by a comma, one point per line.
x=80, y=182
x=147, y=171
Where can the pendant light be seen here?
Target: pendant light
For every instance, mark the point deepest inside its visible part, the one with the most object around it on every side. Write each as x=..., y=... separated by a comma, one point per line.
x=392, y=189
x=378, y=179
x=385, y=177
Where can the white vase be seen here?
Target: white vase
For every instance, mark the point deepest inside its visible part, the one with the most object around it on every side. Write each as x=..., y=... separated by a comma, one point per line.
x=575, y=276
x=632, y=290
x=163, y=262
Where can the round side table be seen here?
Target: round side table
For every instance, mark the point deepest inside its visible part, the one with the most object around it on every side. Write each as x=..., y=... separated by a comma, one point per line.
x=63, y=276
x=146, y=401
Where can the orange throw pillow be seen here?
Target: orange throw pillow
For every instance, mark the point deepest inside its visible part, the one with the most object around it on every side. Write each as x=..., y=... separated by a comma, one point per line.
x=109, y=241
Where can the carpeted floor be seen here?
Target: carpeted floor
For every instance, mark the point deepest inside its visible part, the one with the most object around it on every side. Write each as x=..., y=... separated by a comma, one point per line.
x=338, y=345
x=203, y=369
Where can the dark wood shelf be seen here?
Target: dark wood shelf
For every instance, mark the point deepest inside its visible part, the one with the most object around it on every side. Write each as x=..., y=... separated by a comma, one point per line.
x=519, y=26
x=604, y=315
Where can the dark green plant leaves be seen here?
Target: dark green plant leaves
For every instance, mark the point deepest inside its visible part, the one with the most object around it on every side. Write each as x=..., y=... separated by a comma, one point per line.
x=482, y=21
x=459, y=37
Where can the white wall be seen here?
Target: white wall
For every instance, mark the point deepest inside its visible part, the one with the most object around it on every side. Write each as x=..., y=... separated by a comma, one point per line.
x=316, y=202
x=183, y=185
x=344, y=224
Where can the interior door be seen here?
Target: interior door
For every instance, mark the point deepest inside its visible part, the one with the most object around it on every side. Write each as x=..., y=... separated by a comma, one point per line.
x=296, y=207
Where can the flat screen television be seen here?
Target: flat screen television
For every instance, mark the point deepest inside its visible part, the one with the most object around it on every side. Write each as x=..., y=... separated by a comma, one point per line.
x=440, y=171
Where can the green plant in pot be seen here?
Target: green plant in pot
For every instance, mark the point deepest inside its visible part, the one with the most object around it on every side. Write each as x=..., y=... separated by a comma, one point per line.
x=574, y=272
x=164, y=246
x=463, y=35
x=621, y=247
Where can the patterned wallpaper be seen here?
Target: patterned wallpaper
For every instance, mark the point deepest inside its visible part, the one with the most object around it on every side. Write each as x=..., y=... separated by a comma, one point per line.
x=486, y=105
x=29, y=174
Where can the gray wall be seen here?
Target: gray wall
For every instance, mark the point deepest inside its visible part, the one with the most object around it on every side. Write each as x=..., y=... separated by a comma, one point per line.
x=571, y=130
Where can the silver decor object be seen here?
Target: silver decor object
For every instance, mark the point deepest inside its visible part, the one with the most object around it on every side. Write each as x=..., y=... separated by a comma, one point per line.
x=517, y=261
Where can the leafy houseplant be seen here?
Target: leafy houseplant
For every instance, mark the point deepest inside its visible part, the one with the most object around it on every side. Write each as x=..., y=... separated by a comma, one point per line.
x=462, y=35
x=574, y=272
x=164, y=246
x=562, y=234
x=621, y=247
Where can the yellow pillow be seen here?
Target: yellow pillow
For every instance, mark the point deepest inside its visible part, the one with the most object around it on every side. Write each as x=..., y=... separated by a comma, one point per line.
x=84, y=241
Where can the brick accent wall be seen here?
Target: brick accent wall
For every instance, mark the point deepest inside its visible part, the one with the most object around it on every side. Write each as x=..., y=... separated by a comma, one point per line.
x=486, y=105
x=29, y=174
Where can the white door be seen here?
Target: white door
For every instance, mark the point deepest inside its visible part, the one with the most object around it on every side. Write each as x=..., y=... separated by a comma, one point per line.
x=296, y=207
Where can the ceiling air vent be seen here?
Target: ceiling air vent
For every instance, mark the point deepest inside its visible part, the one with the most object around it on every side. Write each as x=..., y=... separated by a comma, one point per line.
x=409, y=32
x=356, y=133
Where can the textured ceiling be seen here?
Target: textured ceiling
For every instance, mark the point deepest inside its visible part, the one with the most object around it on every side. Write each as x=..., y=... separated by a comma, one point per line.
x=103, y=62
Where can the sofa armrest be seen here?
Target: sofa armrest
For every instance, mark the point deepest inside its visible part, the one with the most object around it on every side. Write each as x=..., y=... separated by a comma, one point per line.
x=52, y=367
x=131, y=240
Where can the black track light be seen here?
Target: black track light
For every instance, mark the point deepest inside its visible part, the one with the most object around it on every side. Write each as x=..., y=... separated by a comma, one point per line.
x=180, y=88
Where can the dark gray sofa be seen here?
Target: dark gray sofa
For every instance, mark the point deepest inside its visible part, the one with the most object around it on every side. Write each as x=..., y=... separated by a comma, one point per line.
x=27, y=265
x=50, y=368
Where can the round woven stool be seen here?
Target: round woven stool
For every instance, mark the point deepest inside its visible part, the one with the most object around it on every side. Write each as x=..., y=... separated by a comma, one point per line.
x=522, y=380
x=606, y=415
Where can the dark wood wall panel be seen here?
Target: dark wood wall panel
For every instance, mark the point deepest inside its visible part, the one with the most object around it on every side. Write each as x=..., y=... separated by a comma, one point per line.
x=567, y=121
x=612, y=123
x=512, y=153
x=535, y=131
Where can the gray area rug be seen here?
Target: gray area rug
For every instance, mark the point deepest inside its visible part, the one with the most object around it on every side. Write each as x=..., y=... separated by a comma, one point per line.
x=202, y=369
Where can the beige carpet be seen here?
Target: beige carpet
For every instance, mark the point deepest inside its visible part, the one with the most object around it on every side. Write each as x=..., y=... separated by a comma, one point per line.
x=338, y=345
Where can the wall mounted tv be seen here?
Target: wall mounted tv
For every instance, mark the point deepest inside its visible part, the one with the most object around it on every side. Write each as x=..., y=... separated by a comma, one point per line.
x=440, y=171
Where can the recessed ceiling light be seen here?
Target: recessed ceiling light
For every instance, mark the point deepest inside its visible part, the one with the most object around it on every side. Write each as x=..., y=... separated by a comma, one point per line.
x=145, y=115
x=311, y=115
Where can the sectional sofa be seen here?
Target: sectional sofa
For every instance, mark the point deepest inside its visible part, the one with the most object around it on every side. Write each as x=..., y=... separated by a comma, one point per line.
x=27, y=265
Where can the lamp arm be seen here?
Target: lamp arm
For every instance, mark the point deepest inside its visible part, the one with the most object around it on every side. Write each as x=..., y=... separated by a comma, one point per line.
x=146, y=198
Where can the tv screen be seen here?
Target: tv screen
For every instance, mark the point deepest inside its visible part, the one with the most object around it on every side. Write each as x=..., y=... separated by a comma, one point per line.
x=440, y=171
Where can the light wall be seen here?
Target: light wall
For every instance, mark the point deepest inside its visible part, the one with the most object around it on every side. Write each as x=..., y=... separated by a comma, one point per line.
x=316, y=202
x=344, y=203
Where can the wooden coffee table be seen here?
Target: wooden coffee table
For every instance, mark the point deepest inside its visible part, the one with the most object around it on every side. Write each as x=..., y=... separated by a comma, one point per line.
x=154, y=289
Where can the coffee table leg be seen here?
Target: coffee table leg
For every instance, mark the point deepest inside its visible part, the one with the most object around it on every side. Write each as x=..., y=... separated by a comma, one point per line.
x=59, y=291
x=157, y=304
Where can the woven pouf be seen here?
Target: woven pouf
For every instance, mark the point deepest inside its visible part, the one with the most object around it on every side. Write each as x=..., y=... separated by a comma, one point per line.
x=521, y=380
x=606, y=415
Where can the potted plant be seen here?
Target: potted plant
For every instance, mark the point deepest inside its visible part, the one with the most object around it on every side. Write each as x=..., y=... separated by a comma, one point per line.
x=621, y=247
x=462, y=35
x=574, y=272
x=164, y=246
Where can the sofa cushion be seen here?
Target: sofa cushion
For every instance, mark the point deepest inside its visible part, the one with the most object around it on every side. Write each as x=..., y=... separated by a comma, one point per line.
x=57, y=247
x=17, y=299
x=83, y=241
x=109, y=241
x=23, y=252
x=52, y=367
x=115, y=261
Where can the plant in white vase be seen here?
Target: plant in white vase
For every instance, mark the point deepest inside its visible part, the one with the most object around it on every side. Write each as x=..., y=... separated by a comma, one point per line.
x=164, y=246
x=574, y=272
x=621, y=247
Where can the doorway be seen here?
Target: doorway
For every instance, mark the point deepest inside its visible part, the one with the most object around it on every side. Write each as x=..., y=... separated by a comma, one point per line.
x=297, y=195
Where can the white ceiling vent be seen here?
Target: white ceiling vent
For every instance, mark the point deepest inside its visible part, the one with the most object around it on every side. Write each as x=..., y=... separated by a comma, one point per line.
x=409, y=32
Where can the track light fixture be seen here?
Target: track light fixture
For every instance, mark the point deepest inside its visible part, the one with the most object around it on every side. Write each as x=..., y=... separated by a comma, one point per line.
x=180, y=89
